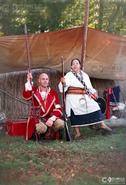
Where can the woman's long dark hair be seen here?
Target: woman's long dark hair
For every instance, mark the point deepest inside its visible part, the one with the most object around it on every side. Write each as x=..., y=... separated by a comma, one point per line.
x=77, y=60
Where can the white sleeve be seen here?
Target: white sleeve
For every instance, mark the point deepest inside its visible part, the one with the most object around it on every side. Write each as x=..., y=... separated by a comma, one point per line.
x=28, y=86
x=89, y=85
x=66, y=85
x=60, y=86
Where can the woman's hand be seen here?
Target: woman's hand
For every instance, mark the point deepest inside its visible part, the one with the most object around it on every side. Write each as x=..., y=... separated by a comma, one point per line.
x=94, y=96
x=62, y=80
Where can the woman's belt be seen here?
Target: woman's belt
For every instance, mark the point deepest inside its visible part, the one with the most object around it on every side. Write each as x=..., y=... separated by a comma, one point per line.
x=76, y=90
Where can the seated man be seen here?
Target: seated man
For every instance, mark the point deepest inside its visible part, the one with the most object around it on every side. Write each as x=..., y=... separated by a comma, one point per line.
x=45, y=100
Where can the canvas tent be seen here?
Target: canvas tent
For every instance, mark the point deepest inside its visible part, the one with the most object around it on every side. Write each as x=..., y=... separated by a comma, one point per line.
x=105, y=56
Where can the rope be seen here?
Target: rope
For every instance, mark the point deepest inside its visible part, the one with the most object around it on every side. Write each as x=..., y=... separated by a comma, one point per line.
x=12, y=97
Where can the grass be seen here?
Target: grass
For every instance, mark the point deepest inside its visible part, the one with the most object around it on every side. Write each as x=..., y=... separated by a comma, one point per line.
x=80, y=162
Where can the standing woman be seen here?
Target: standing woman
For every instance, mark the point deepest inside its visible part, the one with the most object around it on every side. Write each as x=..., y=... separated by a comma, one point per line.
x=81, y=107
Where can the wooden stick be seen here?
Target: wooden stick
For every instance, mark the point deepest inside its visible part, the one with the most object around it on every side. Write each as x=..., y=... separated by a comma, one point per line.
x=85, y=30
x=67, y=132
x=27, y=48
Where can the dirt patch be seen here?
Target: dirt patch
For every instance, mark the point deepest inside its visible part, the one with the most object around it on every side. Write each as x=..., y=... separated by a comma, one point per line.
x=64, y=166
x=102, y=164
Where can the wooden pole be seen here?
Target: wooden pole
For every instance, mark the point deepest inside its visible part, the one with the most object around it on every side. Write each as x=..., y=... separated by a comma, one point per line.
x=27, y=48
x=85, y=30
x=67, y=132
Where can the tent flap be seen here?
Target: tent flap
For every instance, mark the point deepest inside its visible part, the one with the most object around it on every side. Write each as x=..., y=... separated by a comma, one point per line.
x=105, y=56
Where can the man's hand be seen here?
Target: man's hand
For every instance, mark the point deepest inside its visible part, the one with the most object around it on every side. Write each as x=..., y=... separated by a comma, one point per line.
x=29, y=76
x=49, y=123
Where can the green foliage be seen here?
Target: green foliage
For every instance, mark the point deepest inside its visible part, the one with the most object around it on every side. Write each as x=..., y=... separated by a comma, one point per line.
x=73, y=14
x=40, y=15
x=49, y=15
x=111, y=16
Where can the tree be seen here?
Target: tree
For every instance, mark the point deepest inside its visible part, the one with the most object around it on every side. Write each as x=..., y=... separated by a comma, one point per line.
x=40, y=15
x=51, y=15
x=111, y=16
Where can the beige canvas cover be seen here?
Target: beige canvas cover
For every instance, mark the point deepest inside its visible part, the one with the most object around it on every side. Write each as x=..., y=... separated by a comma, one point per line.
x=105, y=56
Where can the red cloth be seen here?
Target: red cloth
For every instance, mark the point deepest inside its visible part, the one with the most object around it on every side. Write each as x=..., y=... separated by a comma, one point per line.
x=16, y=127
x=46, y=108
x=108, y=94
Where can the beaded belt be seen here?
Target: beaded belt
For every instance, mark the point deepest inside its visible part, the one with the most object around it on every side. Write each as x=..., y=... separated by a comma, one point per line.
x=76, y=90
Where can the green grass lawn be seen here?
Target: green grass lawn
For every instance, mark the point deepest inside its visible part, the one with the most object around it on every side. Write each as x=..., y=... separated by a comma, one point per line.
x=80, y=162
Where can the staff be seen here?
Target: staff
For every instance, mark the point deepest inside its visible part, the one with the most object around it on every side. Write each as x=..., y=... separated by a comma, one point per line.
x=28, y=54
x=32, y=109
x=27, y=48
x=84, y=32
x=67, y=132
